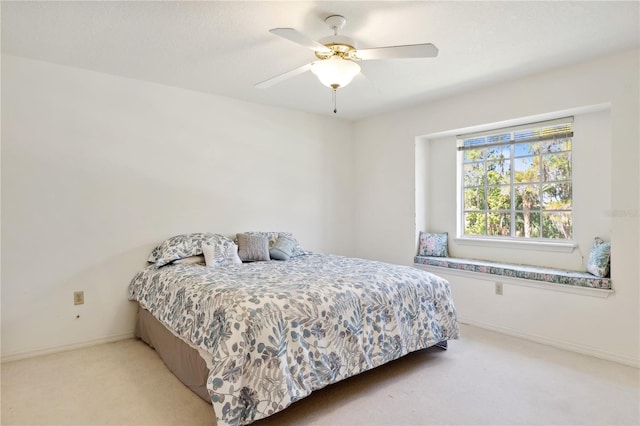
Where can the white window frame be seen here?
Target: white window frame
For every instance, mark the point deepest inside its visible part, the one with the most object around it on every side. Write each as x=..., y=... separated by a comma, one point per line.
x=536, y=243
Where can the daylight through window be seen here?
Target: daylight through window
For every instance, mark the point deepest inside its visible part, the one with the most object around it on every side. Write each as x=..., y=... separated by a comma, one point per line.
x=516, y=182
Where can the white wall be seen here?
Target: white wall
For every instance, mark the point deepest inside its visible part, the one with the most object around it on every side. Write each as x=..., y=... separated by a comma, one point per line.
x=97, y=169
x=385, y=182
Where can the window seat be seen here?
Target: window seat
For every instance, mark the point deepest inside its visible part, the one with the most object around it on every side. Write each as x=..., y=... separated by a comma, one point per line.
x=535, y=273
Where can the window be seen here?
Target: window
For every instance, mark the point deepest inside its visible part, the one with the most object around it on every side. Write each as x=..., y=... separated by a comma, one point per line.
x=516, y=182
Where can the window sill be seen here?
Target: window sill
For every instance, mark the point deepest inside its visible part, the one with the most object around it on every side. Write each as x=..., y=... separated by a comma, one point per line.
x=552, y=246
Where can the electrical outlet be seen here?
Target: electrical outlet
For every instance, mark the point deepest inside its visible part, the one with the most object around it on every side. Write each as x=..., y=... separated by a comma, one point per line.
x=499, y=289
x=78, y=297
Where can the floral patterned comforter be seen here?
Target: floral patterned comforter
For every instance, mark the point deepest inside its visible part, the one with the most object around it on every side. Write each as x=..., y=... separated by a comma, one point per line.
x=276, y=331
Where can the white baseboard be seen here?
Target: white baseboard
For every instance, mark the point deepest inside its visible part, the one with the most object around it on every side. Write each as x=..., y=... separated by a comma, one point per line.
x=585, y=350
x=77, y=345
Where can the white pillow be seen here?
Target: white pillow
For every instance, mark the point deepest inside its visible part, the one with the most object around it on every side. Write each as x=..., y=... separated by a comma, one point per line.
x=212, y=257
x=221, y=255
x=232, y=255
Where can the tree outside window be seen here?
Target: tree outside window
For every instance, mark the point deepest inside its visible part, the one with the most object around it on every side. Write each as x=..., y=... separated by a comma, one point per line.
x=517, y=183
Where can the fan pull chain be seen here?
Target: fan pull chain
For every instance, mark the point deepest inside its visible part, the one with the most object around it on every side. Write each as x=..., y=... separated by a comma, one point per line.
x=335, y=108
x=334, y=96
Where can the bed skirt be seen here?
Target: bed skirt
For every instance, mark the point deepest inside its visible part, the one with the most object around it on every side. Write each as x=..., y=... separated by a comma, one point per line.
x=184, y=361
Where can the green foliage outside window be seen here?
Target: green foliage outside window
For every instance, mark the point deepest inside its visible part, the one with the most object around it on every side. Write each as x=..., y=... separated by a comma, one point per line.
x=518, y=184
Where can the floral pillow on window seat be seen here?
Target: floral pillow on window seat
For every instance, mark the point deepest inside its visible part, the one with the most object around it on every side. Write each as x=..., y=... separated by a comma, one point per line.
x=431, y=244
x=599, y=258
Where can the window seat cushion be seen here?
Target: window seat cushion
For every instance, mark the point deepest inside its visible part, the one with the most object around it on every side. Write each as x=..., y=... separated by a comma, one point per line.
x=527, y=272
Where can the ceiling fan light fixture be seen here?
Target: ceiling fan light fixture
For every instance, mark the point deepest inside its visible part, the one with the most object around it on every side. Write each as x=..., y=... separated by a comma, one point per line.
x=335, y=72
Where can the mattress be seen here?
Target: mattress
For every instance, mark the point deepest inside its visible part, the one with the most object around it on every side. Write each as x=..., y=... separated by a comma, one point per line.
x=272, y=332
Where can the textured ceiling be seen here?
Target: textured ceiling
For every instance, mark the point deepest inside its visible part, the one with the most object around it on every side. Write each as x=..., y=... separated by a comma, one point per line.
x=225, y=47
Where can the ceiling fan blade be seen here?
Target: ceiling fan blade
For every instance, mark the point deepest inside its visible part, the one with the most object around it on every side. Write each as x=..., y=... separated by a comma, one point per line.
x=282, y=77
x=426, y=50
x=299, y=38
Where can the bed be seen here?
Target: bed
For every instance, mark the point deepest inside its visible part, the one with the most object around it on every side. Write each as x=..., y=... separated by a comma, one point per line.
x=254, y=337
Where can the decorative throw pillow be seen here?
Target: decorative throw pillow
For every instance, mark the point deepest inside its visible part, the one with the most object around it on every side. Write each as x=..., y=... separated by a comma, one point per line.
x=232, y=255
x=433, y=244
x=221, y=255
x=191, y=260
x=252, y=248
x=184, y=245
x=599, y=258
x=273, y=237
x=283, y=249
x=214, y=257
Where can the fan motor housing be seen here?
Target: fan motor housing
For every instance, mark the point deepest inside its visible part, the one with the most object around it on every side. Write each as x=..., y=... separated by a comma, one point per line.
x=342, y=46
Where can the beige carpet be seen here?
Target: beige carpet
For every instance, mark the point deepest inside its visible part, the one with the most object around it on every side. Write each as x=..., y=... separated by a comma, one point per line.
x=484, y=378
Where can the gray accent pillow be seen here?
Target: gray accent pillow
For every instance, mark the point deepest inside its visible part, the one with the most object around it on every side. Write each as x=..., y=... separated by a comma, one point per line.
x=252, y=248
x=273, y=237
x=283, y=248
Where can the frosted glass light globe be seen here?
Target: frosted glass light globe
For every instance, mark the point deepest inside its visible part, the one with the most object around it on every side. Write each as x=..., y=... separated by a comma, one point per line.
x=335, y=72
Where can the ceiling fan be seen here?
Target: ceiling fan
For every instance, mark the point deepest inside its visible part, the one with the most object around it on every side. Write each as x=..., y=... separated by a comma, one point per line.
x=338, y=56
